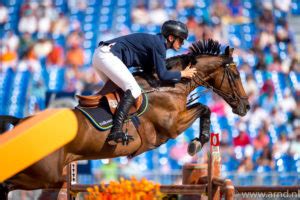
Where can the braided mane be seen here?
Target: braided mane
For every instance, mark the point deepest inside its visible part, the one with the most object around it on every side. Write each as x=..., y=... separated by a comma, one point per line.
x=204, y=47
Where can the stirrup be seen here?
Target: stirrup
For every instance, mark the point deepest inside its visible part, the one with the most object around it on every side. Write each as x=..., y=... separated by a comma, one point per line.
x=117, y=137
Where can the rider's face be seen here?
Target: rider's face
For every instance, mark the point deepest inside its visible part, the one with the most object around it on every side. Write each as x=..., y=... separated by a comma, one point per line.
x=178, y=43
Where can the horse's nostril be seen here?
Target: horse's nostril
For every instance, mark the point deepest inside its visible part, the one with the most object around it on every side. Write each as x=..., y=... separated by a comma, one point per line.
x=248, y=107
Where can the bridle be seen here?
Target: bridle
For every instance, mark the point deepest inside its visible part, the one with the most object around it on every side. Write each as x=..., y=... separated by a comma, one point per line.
x=234, y=96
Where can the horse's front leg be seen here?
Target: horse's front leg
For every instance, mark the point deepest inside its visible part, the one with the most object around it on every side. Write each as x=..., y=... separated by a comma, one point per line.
x=187, y=118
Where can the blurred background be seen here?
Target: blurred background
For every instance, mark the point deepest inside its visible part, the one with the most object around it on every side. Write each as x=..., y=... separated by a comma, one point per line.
x=45, y=59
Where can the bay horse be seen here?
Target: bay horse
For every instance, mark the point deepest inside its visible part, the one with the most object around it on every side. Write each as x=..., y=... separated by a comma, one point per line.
x=167, y=116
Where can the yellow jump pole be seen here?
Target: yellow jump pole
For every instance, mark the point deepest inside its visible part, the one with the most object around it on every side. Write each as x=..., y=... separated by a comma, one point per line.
x=35, y=138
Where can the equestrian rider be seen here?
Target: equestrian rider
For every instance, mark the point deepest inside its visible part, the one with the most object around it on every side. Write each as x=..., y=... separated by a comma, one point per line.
x=112, y=59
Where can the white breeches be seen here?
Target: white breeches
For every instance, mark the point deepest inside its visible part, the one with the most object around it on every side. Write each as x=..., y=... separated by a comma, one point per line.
x=110, y=67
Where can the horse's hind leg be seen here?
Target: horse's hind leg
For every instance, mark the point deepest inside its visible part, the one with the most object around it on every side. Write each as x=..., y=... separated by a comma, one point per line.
x=3, y=191
x=50, y=195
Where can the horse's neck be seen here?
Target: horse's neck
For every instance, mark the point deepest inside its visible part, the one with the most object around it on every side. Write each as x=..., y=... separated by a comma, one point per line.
x=181, y=87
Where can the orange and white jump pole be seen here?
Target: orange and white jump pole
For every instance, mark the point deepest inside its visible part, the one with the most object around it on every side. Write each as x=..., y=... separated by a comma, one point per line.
x=35, y=138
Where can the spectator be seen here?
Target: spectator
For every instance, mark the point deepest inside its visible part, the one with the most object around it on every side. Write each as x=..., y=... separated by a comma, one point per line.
x=288, y=103
x=295, y=115
x=140, y=14
x=191, y=24
x=267, y=38
x=28, y=23
x=268, y=87
x=184, y=4
x=278, y=118
x=3, y=14
x=61, y=25
x=75, y=39
x=294, y=66
x=49, y=10
x=8, y=58
x=226, y=138
x=268, y=101
x=262, y=139
x=282, y=146
x=276, y=65
x=219, y=9
x=12, y=40
x=242, y=139
x=26, y=42
x=42, y=48
x=266, y=158
x=77, y=5
x=283, y=5
x=257, y=116
x=157, y=14
x=265, y=19
x=246, y=166
x=218, y=106
x=295, y=143
x=261, y=64
x=203, y=31
x=56, y=55
x=29, y=62
x=44, y=25
x=75, y=57
x=251, y=85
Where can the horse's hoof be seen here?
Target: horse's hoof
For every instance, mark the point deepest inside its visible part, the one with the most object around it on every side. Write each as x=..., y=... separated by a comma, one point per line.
x=194, y=147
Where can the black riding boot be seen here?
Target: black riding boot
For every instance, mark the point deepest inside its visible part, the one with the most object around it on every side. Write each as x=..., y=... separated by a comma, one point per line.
x=204, y=130
x=116, y=134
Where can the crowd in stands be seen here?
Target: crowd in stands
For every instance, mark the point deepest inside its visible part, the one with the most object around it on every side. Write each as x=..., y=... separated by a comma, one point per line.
x=45, y=35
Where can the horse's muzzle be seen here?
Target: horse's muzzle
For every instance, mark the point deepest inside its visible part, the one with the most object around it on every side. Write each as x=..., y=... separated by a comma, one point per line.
x=242, y=108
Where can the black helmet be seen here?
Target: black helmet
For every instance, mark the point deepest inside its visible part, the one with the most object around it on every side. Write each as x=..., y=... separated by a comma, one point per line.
x=175, y=28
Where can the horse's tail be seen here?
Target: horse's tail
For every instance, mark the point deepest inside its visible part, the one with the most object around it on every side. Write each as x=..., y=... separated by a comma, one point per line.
x=3, y=191
x=6, y=120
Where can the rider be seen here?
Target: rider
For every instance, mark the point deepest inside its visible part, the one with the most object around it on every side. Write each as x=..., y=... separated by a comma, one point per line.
x=112, y=59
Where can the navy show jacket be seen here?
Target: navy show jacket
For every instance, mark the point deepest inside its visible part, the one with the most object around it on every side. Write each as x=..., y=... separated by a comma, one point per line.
x=146, y=51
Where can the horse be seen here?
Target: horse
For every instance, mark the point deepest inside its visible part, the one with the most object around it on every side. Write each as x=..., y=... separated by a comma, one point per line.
x=167, y=116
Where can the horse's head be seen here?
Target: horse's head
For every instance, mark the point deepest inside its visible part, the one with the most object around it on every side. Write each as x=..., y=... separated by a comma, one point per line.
x=215, y=71
x=219, y=72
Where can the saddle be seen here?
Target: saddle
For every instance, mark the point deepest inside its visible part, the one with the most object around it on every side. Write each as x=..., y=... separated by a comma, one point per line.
x=99, y=109
x=113, y=99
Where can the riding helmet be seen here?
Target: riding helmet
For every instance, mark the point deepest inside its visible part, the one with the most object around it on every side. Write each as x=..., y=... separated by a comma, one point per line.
x=175, y=28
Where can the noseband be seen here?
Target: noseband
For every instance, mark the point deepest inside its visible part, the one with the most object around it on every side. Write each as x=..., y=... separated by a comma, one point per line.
x=231, y=80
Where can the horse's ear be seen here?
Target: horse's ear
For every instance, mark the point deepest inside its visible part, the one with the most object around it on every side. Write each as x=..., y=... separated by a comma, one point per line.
x=229, y=51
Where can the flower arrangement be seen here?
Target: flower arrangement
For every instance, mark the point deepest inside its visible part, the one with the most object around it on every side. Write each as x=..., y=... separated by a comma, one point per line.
x=132, y=189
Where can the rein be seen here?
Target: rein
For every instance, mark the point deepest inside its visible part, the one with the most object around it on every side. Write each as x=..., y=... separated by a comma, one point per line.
x=203, y=81
x=227, y=96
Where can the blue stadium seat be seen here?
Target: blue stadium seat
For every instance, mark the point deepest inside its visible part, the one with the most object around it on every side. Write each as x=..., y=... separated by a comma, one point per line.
x=18, y=94
x=295, y=7
x=55, y=79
